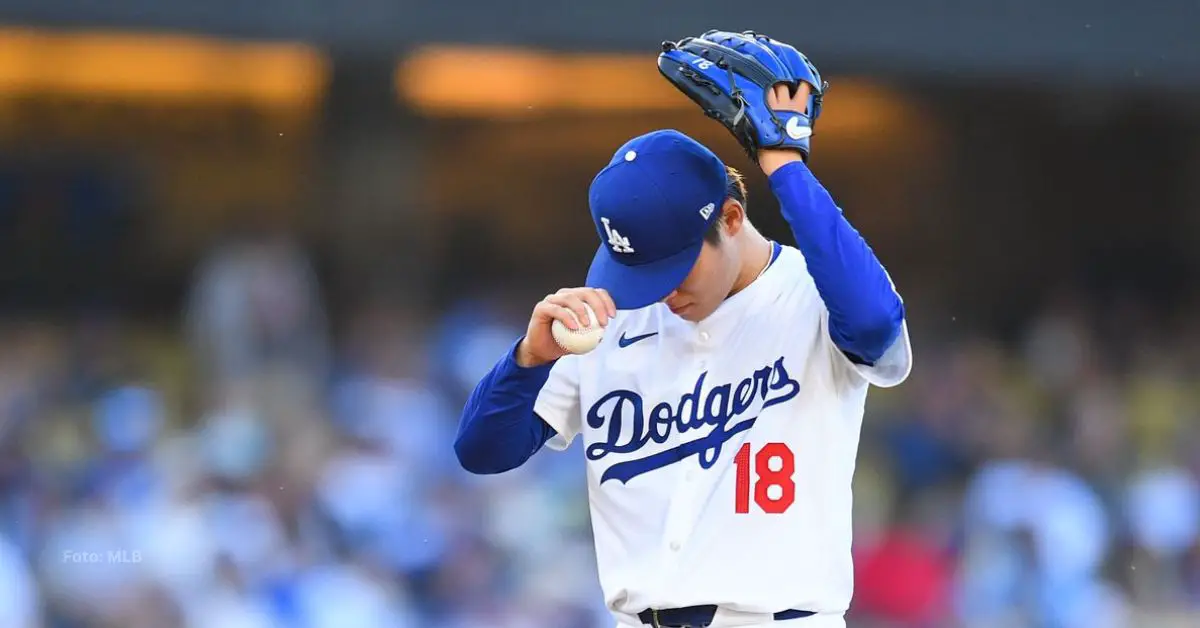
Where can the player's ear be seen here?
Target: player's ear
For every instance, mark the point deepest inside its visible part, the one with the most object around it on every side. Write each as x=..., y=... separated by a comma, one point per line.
x=733, y=216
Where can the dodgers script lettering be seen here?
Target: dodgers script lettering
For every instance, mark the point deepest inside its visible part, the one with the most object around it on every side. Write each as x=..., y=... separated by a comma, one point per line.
x=630, y=427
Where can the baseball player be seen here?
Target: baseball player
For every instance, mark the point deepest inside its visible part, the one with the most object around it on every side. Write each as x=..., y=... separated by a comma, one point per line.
x=720, y=415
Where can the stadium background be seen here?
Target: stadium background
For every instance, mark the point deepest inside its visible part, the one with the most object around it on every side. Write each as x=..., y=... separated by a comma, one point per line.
x=253, y=255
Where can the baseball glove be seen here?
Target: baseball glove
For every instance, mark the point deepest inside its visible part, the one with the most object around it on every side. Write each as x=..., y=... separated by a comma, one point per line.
x=730, y=74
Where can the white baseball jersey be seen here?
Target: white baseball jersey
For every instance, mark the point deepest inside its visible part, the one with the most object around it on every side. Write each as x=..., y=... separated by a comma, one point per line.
x=720, y=453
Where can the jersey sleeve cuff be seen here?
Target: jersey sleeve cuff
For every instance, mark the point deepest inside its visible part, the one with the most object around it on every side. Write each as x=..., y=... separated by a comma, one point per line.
x=534, y=379
x=893, y=367
x=563, y=435
x=890, y=370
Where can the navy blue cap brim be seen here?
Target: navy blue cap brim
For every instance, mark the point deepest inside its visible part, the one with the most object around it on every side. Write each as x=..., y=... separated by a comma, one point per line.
x=635, y=287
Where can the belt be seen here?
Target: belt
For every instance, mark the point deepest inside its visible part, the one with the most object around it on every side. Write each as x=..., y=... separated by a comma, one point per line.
x=699, y=616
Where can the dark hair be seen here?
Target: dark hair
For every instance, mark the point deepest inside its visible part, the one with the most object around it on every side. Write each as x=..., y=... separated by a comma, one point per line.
x=735, y=188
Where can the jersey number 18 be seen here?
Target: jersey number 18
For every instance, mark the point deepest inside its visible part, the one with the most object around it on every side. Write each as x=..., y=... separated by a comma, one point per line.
x=770, y=499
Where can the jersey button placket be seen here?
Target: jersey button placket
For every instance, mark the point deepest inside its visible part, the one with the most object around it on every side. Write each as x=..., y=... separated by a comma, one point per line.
x=681, y=515
x=703, y=348
x=680, y=512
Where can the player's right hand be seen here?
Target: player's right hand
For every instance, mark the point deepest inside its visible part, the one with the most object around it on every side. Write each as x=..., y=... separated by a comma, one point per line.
x=781, y=98
x=538, y=347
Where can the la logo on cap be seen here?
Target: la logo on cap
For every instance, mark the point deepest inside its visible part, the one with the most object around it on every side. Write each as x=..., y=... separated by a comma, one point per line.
x=618, y=242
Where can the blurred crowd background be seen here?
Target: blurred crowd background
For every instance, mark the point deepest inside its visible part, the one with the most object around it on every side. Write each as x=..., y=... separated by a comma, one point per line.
x=253, y=259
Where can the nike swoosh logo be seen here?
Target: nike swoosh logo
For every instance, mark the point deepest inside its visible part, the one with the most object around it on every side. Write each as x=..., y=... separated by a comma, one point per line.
x=795, y=131
x=625, y=342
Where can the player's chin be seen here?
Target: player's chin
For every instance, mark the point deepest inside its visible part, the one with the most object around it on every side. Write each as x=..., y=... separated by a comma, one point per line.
x=690, y=312
x=680, y=310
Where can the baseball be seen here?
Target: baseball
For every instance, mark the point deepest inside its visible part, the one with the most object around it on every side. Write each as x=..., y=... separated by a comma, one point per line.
x=581, y=340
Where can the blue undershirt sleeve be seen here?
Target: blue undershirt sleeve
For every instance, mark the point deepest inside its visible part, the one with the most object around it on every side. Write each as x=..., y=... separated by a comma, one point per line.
x=498, y=430
x=866, y=314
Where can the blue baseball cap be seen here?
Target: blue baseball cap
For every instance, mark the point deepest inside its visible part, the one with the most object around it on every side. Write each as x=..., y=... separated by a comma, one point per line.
x=652, y=204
